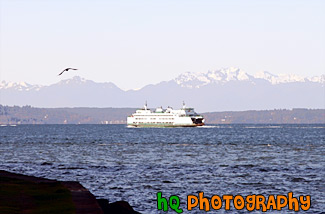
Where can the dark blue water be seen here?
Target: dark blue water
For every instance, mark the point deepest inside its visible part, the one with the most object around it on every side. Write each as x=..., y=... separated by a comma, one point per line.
x=133, y=164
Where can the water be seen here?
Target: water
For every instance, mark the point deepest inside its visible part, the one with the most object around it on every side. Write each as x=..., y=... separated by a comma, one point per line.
x=133, y=164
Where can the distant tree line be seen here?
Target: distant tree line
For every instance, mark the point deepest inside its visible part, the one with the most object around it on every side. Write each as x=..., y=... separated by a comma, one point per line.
x=32, y=115
x=277, y=116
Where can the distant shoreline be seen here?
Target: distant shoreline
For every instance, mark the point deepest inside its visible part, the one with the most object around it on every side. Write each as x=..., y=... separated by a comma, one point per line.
x=15, y=115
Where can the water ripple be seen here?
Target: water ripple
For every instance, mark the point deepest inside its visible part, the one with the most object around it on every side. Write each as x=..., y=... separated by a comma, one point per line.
x=119, y=163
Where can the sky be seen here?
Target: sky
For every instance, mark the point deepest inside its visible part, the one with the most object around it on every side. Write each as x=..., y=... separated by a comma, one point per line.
x=135, y=43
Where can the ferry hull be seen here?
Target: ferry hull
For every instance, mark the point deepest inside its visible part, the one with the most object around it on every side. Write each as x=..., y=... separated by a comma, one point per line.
x=163, y=125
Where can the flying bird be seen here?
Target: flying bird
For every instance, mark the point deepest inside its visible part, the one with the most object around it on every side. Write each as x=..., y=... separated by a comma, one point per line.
x=67, y=69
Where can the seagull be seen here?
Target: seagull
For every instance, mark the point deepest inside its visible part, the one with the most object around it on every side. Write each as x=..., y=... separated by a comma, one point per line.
x=67, y=70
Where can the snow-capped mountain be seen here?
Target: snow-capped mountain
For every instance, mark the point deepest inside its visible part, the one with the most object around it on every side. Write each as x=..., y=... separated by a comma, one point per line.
x=188, y=79
x=229, y=89
x=79, y=81
x=196, y=80
x=75, y=81
x=222, y=76
x=19, y=86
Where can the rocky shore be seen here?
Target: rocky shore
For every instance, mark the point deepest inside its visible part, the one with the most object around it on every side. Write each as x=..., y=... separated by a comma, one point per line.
x=28, y=194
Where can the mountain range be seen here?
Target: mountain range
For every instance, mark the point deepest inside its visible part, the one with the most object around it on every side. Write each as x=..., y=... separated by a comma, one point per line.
x=228, y=89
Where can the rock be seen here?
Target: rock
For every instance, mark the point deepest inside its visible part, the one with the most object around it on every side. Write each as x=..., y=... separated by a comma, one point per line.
x=119, y=207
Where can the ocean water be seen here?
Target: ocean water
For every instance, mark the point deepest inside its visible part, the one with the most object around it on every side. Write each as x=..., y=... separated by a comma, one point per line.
x=133, y=164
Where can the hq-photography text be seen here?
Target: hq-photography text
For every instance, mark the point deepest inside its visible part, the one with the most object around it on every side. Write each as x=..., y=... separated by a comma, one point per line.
x=227, y=202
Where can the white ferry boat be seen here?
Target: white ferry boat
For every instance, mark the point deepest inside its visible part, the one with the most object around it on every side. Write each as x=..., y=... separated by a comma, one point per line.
x=184, y=117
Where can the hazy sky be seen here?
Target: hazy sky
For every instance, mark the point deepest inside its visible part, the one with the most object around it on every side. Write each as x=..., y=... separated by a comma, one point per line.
x=134, y=43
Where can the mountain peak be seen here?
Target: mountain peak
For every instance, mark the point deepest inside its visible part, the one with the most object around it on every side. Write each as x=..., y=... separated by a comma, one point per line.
x=20, y=86
x=74, y=80
x=196, y=80
x=286, y=78
x=224, y=75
